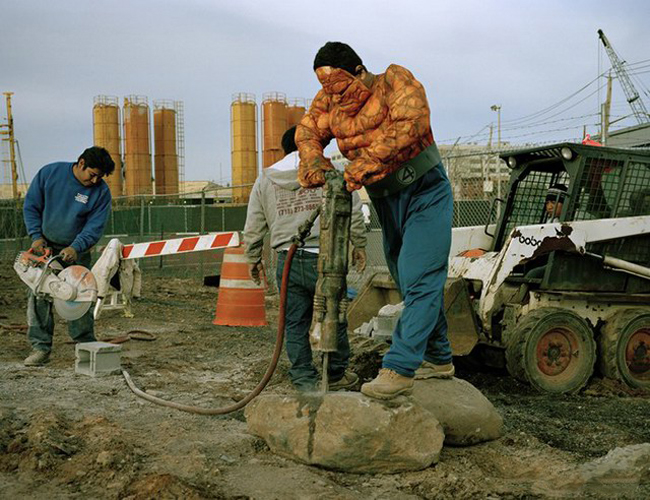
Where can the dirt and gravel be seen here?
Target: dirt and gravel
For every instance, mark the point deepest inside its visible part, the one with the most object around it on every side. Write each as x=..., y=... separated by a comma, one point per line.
x=64, y=435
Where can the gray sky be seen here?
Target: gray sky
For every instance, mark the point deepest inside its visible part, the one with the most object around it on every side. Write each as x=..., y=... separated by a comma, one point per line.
x=526, y=56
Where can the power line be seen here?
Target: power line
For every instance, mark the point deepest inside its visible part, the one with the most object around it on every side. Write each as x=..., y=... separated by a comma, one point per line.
x=478, y=134
x=554, y=106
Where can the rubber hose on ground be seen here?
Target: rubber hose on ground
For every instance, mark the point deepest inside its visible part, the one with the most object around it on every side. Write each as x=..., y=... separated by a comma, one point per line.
x=267, y=376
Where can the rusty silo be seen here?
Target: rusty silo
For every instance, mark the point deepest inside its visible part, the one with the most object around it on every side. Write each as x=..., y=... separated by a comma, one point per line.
x=137, y=150
x=295, y=111
x=243, y=121
x=165, y=147
x=106, y=133
x=274, y=124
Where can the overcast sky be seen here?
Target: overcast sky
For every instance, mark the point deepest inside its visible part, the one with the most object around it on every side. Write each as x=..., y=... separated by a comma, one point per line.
x=525, y=56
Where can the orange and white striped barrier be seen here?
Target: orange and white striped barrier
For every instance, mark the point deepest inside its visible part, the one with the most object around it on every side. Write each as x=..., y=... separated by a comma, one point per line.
x=181, y=245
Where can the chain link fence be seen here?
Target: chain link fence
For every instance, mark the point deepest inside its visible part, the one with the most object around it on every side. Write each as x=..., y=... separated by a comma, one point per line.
x=146, y=218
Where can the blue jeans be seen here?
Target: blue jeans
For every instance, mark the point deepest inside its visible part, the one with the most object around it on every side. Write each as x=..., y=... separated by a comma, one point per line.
x=299, y=311
x=416, y=227
x=41, y=320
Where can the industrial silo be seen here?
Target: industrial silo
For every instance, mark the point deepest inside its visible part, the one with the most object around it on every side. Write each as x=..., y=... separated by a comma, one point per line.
x=165, y=147
x=274, y=125
x=106, y=133
x=295, y=111
x=243, y=121
x=137, y=151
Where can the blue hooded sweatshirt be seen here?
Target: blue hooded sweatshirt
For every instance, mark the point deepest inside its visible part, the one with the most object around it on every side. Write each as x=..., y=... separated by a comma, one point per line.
x=62, y=210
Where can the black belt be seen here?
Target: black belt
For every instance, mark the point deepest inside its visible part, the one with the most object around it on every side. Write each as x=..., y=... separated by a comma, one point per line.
x=408, y=172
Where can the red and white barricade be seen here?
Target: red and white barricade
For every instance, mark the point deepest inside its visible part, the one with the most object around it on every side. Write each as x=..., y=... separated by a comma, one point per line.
x=181, y=245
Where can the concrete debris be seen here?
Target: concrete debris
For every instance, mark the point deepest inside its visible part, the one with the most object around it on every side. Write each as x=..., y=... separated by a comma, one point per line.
x=347, y=431
x=381, y=327
x=618, y=474
x=364, y=330
x=629, y=465
x=390, y=310
x=466, y=415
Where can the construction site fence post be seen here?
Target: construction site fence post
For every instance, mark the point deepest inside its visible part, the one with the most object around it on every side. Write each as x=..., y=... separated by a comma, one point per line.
x=141, y=216
x=202, y=228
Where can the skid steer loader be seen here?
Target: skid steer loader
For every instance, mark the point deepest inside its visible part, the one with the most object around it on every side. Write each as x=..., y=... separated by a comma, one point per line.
x=554, y=297
x=559, y=296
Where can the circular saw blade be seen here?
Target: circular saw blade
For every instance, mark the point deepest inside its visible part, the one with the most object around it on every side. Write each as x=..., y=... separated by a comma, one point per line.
x=83, y=282
x=70, y=309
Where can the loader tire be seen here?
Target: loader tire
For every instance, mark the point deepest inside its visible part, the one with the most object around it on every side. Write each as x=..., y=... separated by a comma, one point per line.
x=553, y=350
x=624, y=348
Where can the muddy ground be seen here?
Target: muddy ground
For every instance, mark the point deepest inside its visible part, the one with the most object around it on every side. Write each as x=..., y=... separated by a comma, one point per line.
x=64, y=435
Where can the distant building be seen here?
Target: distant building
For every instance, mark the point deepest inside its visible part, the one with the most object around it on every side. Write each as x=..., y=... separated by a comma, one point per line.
x=6, y=191
x=475, y=171
x=214, y=193
x=637, y=136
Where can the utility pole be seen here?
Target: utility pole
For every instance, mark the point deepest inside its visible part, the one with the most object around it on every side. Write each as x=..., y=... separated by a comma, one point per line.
x=12, y=146
x=485, y=163
x=604, y=113
x=497, y=108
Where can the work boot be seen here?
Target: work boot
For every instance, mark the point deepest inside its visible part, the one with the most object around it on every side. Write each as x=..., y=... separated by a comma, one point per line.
x=429, y=370
x=347, y=381
x=37, y=358
x=387, y=385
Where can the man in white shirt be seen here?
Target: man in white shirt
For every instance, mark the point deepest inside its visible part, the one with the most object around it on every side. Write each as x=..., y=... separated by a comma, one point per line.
x=279, y=205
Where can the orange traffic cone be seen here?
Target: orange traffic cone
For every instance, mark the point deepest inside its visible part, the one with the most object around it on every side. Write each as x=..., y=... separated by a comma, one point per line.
x=241, y=300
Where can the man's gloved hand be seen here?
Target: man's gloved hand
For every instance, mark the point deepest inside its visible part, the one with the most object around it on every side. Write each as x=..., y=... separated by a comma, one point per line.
x=359, y=259
x=311, y=178
x=255, y=272
x=363, y=171
x=69, y=254
x=38, y=246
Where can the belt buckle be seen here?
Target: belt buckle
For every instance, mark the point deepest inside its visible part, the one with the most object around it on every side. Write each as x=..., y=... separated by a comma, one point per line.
x=406, y=175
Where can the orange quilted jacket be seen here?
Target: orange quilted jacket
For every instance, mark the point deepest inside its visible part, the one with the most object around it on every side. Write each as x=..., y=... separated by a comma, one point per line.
x=391, y=126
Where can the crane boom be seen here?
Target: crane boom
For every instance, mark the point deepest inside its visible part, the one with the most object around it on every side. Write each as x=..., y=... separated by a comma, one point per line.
x=638, y=108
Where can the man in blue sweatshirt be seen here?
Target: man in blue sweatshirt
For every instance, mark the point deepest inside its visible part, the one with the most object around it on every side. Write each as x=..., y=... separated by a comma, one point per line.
x=66, y=208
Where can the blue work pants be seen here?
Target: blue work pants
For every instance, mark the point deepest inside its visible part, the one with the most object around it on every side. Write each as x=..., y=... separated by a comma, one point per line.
x=299, y=310
x=416, y=227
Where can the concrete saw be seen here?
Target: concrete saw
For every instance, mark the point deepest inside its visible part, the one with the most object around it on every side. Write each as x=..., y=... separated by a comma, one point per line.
x=72, y=289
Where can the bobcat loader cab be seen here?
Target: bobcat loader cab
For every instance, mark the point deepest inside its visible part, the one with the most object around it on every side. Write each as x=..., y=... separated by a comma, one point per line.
x=560, y=294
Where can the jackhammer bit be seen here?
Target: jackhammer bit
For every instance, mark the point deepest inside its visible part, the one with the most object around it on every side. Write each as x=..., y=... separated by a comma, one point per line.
x=330, y=298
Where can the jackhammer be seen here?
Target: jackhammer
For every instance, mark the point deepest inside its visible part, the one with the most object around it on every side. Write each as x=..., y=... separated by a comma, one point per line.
x=330, y=299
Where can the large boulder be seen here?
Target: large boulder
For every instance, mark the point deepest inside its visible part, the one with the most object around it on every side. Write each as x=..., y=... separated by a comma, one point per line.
x=347, y=431
x=466, y=415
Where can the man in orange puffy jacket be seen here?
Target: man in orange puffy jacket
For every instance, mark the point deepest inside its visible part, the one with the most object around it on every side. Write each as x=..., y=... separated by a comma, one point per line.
x=381, y=124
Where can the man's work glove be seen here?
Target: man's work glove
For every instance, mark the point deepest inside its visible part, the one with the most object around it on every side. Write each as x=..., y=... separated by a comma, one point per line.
x=255, y=272
x=69, y=254
x=38, y=246
x=359, y=259
x=311, y=178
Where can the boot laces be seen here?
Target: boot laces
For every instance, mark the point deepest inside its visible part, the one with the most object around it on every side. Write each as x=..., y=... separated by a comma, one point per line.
x=388, y=373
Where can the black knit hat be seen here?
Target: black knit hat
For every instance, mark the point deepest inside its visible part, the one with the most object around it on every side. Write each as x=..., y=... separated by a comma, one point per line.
x=338, y=55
